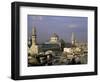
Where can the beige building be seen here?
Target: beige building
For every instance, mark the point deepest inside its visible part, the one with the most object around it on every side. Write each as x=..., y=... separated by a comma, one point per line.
x=73, y=47
x=68, y=50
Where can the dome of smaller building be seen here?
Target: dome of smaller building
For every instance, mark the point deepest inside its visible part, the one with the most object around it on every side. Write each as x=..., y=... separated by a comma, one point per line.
x=55, y=35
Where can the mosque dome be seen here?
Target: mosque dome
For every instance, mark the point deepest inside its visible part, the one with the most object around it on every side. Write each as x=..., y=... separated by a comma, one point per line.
x=55, y=35
x=54, y=38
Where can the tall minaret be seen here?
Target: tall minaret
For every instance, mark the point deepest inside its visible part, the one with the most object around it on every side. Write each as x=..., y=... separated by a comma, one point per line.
x=34, y=36
x=33, y=50
x=73, y=38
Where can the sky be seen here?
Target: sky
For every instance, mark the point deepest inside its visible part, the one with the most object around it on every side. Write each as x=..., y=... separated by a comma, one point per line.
x=63, y=26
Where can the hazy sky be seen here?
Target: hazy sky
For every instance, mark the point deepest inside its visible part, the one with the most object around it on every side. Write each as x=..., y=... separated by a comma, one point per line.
x=61, y=25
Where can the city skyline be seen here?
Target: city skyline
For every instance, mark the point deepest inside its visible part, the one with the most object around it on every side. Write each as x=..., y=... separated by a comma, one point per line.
x=63, y=26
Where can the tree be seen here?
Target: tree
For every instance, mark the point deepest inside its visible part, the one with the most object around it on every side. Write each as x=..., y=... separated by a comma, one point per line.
x=62, y=44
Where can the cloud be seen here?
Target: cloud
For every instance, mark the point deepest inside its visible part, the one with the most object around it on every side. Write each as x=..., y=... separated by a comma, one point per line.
x=37, y=18
x=55, y=18
x=40, y=17
x=72, y=26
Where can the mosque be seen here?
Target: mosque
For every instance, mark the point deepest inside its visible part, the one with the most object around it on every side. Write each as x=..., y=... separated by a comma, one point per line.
x=54, y=45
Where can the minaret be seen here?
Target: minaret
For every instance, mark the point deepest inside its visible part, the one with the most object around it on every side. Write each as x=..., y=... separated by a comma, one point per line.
x=34, y=36
x=33, y=50
x=73, y=38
